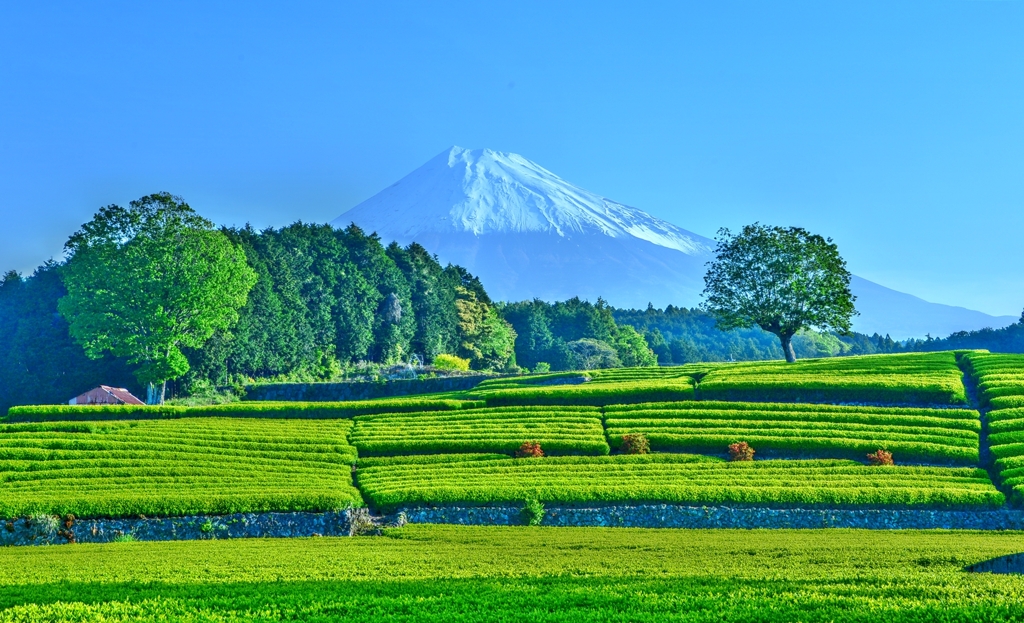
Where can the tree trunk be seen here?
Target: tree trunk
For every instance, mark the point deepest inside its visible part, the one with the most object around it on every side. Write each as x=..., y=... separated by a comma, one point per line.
x=163, y=392
x=787, y=348
x=150, y=394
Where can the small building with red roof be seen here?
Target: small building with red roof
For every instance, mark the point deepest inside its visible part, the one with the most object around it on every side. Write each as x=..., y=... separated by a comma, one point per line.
x=105, y=395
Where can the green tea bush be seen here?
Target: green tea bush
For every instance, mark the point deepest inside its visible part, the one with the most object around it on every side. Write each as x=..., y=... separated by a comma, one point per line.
x=903, y=379
x=932, y=435
x=311, y=410
x=533, y=513
x=674, y=479
x=561, y=430
x=176, y=467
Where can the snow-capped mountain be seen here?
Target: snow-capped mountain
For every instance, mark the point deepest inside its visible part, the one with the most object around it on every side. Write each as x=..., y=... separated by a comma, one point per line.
x=527, y=234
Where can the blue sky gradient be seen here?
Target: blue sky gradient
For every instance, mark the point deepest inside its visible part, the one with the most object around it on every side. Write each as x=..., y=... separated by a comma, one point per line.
x=895, y=128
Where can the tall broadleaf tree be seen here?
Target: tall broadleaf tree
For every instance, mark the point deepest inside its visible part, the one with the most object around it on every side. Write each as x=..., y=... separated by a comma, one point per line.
x=782, y=279
x=146, y=281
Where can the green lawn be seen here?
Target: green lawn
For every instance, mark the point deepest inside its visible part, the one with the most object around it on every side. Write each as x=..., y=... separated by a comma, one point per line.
x=435, y=573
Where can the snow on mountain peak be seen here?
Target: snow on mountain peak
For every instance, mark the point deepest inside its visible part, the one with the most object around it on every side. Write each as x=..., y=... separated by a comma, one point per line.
x=482, y=191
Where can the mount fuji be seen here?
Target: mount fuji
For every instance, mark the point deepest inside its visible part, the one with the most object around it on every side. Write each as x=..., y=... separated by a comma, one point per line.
x=528, y=234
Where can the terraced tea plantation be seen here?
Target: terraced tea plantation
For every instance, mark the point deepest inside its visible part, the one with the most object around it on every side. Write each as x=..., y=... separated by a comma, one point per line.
x=681, y=478
x=910, y=379
x=175, y=467
x=562, y=430
x=457, y=447
x=1000, y=380
x=913, y=434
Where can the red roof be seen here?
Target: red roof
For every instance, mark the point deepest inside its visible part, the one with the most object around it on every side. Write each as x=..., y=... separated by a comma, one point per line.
x=104, y=394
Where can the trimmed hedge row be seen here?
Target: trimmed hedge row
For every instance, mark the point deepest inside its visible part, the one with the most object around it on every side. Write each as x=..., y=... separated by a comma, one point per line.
x=307, y=410
x=673, y=478
x=176, y=467
x=590, y=394
x=903, y=379
x=559, y=430
x=1000, y=378
x=916, y=434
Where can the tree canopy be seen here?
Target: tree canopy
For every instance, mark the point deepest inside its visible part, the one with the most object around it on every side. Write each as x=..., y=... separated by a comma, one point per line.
x=779, y=279
x=143, y=282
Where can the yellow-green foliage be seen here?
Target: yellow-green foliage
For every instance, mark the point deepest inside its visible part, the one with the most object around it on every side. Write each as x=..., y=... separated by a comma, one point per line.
x=450, y=362
x=559, y=430
x=905, y=379
x=946, y=435
x=175, y=467
x=676, y=478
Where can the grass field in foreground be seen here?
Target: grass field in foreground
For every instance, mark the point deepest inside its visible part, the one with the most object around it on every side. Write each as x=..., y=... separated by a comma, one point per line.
x=175, y=467
x=447, y=573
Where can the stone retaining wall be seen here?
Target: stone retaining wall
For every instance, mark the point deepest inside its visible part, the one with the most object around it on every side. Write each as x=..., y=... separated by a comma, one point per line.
x=45, y=530
x=678, y=516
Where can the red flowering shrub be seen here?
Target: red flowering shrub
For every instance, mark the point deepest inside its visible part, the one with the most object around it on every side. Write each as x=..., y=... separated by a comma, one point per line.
x=880, y=457
x=741, y=452
x=529, y=449
x=635, y=443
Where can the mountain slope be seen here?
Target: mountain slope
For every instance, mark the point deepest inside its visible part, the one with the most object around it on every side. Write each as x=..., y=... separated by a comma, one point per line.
x=529, y=234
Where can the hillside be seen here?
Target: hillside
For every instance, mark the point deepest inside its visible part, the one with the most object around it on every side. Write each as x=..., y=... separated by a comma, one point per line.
x=813, y=423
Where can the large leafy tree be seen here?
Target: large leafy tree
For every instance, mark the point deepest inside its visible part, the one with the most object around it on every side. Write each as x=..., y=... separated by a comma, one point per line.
x=780, y=279
x=146, y=281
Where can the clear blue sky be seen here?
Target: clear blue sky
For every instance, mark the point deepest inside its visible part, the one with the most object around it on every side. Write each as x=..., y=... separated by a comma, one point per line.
x=895, y=128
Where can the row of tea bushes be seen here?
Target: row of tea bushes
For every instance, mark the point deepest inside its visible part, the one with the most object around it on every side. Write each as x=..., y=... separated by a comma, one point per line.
x=999, y=377
x=310, y=410
x=914, y=379
x=561, y=430
x=1000, y=382
x=938, y=435
x=176, y=467
x=673, y=478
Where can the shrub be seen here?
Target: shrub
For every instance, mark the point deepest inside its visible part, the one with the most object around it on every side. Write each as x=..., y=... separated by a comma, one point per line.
x=529, y=449
x=880, y=457
x=542, y=367
x=635, y=443
x=533, y=512
x=450, y=362
x=124, y=537
x=741, y=451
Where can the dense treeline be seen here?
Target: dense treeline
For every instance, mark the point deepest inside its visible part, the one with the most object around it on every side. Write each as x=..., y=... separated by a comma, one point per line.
x=574, y=335
x=325, y=299
x=680, y=335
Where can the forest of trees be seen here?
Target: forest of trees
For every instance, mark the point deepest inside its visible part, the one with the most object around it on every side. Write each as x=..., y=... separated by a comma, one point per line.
x=680, y=335
x=325, y=299
x=329, y=301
